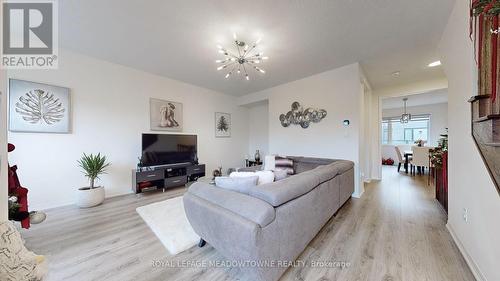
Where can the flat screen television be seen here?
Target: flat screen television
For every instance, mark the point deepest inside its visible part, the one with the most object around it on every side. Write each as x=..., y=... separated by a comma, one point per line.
x=167, y=149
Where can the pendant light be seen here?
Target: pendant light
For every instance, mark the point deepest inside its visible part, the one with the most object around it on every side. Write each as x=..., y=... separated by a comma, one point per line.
x=405, y=117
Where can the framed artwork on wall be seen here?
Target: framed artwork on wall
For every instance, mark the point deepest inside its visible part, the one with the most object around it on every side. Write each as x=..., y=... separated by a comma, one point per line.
x=38, y=108
x=222, y=125
x=165, y=115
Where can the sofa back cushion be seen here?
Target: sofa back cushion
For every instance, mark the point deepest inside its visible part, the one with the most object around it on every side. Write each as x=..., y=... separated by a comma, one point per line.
x=328, y=172
x=248, y=207
x=302, y=164
x=282, y=191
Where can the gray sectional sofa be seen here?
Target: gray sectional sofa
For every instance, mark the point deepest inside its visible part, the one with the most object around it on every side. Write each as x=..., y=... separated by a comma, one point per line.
x=271, y=226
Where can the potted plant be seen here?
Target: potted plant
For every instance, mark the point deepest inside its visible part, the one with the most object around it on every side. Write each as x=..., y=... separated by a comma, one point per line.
x=420, y=142
x=92, y=166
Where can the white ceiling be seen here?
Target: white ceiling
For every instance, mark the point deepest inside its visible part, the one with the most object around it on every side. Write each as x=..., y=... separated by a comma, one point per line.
x=178, y=38
x=433, y=97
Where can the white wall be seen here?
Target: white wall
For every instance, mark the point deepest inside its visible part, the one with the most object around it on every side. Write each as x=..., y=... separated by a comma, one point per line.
x=3, y=146
x=470, y=186
x=439, y=118
x=258, y=129
x=339, y=92
x=366, y=132
x=110, y=111
x=3, y=138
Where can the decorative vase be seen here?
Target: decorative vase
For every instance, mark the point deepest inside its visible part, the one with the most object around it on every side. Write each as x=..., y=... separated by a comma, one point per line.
x=139, y=164
x=257, y=156
x=88, y=197
x=217, y=173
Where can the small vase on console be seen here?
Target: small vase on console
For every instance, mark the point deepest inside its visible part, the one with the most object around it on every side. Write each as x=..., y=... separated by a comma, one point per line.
x=257, y=156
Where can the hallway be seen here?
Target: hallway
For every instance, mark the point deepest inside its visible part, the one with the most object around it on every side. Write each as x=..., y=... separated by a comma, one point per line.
x=396, y=231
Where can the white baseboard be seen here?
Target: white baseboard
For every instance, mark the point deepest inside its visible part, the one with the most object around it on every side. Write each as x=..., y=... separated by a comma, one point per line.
x=468, y=259
x=358, y=195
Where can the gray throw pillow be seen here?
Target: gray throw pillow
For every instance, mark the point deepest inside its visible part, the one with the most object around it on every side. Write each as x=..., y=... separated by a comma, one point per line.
x=283, y=163
x=238, y=184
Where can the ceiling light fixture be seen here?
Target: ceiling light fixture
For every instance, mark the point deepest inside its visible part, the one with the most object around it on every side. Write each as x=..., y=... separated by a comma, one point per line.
x=246, y=56
x=434, y=64
x=405, y=117
x=396, y=74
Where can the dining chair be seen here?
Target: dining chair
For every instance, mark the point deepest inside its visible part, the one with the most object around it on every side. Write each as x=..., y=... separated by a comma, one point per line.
x=420, y=158
x=400, y=157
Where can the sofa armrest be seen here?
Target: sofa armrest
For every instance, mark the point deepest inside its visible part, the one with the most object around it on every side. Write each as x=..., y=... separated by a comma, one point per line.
x=249, y=207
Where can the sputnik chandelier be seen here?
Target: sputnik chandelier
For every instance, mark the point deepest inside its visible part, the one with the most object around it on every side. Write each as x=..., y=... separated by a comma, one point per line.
x=244, y=58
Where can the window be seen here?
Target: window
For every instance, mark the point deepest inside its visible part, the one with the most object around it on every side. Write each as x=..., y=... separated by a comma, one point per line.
x=394, y=132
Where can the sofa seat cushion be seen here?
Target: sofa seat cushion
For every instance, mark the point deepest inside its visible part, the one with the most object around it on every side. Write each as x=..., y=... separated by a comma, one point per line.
x=249, y=207
x=280, y=192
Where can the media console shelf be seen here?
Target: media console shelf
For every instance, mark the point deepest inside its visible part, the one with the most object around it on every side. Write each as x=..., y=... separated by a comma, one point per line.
x=164, y=177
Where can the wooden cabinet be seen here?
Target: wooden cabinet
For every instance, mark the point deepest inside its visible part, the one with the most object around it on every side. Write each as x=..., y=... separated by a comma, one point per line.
x=165, y=177
x=441, y=182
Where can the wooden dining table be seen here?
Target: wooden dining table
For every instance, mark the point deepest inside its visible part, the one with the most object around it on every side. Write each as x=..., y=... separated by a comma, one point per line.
x=407, y=154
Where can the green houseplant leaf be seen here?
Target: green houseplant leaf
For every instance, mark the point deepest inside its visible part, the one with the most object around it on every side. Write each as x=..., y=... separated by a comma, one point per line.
x=93, y=166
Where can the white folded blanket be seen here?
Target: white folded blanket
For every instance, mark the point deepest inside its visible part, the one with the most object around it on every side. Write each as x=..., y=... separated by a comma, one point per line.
x=264, y=176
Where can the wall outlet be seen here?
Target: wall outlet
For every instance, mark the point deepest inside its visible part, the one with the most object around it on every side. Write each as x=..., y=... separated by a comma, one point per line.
x=465, y=214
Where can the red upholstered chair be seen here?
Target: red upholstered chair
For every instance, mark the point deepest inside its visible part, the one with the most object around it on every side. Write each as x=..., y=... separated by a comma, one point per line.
x=16, y=189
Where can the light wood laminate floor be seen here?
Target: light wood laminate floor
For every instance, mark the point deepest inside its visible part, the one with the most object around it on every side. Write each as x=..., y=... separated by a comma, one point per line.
x=396, y=231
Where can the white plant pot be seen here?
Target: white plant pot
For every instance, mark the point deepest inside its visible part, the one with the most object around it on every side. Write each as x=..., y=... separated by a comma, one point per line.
x=87, y=197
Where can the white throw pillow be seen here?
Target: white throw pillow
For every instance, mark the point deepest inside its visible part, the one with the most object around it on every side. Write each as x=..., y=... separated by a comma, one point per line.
x=241, y=174
x=269, y=163
x=264, y=176
x=238, y=184
x=280, y=174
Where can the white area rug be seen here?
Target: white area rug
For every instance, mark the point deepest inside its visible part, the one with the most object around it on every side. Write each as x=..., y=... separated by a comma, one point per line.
x=168, y=221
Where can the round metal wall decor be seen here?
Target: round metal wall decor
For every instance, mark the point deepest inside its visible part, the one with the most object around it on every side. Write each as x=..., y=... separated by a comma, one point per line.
x=299, y=116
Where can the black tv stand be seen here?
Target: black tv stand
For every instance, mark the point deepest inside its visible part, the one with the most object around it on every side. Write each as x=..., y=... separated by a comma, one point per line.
x=164, y=177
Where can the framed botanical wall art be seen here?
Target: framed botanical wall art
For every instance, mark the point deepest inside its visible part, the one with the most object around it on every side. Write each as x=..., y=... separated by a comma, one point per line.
x=222, y=125
x=39, y=108
x=165, y=115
